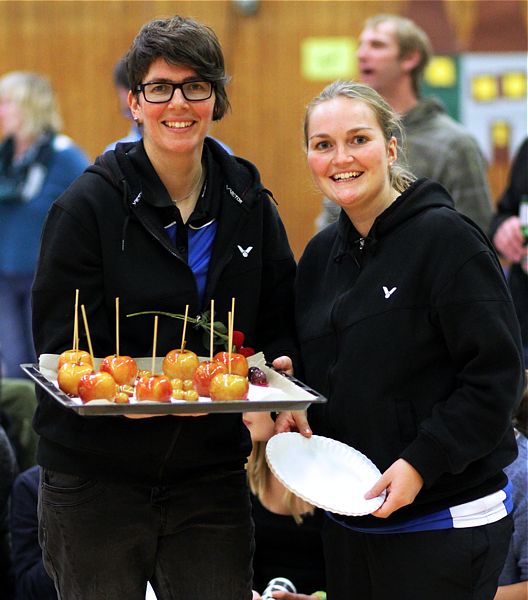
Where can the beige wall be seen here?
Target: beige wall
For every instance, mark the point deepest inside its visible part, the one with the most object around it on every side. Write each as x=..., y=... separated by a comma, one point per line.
x=76, y=43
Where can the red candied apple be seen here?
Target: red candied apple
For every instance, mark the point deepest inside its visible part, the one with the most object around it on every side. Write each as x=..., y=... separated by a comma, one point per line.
x=229, y=387
x=205, y=371
x=97, y=386
x=180, y=363
x=239, y=363
x=74, y=356
x=122, y=368
x=157, y=388
x=69, y=375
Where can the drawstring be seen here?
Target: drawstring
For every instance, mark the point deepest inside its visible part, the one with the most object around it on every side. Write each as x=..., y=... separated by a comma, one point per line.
x=127, y=218
x=123, y=233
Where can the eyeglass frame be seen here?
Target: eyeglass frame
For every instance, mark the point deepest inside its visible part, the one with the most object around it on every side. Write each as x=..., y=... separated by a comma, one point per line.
x=140, y=87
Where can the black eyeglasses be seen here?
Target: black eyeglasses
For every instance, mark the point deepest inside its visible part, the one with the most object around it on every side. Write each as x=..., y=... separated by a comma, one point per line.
x=158, y=92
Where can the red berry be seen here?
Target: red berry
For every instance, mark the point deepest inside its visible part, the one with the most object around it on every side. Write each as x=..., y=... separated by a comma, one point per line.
x=238, y=338
x=246, y=351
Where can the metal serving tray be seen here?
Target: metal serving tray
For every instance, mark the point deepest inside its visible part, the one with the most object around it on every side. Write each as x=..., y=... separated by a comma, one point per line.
x=284, y=392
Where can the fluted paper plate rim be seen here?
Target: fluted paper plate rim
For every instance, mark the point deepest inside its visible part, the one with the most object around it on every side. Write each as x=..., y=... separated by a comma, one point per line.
x=324, y=472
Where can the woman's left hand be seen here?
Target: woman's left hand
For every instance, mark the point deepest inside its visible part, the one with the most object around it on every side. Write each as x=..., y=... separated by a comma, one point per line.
x=402, y=483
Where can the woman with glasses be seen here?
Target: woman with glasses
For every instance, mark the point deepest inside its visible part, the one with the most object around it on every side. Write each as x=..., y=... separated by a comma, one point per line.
x=163, y=223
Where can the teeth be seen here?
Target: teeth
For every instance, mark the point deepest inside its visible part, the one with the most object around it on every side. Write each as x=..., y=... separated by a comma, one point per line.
x=178, y=124
x=349, y=175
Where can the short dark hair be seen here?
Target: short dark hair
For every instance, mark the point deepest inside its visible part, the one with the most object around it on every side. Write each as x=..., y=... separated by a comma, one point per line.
x=180, y=41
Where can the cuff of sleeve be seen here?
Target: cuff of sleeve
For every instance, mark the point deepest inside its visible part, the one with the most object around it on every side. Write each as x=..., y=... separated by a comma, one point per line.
x=427, y=458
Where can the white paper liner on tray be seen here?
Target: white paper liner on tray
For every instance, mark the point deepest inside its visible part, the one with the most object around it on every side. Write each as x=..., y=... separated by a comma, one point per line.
x=279, y=388
x=324, y=472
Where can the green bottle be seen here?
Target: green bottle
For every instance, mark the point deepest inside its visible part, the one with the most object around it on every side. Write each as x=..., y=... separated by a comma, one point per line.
x=523, y=216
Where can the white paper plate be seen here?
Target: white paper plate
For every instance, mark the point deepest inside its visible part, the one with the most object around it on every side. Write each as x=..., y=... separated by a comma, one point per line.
x=324, y=472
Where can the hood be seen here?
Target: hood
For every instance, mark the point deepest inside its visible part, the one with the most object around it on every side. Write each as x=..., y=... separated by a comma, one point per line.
x=422, y=112
x=116, y=166
x=421, y=196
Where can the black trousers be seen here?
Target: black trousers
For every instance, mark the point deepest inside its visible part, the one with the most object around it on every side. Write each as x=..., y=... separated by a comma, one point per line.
x=448, y=564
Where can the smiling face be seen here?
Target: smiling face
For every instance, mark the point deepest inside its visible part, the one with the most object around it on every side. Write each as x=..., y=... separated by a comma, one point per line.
x=177, y=126
x=349, y=157
x=379, y=61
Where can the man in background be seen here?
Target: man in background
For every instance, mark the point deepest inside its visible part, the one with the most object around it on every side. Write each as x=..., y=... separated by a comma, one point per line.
x=393, y=53
x=121, y=87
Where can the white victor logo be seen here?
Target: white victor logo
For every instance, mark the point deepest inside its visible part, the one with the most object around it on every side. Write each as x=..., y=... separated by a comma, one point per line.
x=388, y=293
x=245, y=252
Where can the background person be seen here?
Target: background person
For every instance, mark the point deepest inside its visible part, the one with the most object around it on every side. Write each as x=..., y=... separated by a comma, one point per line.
x=513, y=581
x=31, y=579
x=410, y=332
x=158, y=223
x=8, y=471
x=120, y=78
x=37, y=164
x=508, y=238
x=393, y=53
x=287, y=529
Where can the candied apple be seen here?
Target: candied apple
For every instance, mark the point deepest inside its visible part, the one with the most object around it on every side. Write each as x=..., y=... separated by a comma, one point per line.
x=239, y=363
x=180, y=363
x=69, y=375
x=157, y=388
x=122, y=368
x=74, y=356
x=205, y=371
x=97, y=386
x=229, y=387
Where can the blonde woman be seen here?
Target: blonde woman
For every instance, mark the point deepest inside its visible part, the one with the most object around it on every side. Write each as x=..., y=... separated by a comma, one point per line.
x=287, y=537
x=37, y=164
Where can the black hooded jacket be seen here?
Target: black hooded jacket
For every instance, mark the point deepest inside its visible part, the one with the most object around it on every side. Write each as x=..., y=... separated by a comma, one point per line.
x=105, y=236
x=411, y=334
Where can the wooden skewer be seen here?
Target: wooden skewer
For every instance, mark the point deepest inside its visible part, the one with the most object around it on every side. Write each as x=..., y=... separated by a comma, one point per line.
x=184, y=328
x=87, y=333
x=154, y=343
x=75, y=344
x=117, y=325
x=232, y=322
x=212, y=332
x=229, y=339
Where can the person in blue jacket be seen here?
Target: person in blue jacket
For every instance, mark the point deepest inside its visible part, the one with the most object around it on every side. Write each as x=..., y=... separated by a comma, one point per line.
x=37, y=163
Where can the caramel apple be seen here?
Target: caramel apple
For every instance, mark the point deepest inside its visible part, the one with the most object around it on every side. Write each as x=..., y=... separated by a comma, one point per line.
x=157, y=388
x=97, y=386
x=239, y=363
x=122, y=368
x=229, y=387
x=69, y=375
x=180, y=363
x=205, y=371
x=74, y=356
